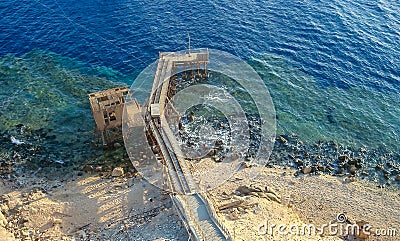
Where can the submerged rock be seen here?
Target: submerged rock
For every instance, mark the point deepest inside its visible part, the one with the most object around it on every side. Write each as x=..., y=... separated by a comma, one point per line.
x=88, y=168
x=353, y=169
x=282, y=140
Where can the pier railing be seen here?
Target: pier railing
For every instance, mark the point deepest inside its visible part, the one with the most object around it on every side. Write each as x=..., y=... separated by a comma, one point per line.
x=179, y=203
x=188, y=211
x=208, y=204
x=211, y=210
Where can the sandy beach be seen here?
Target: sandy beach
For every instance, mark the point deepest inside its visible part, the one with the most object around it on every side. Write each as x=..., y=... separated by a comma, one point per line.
x=94, y=207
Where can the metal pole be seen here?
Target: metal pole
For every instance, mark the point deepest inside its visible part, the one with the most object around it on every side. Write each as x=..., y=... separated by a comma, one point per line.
x=189, y=42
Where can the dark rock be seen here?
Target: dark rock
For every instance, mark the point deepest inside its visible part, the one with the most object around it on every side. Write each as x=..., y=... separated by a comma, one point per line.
x=321, y=168
x=395, y=172
x=220, y=159
x=364, y=173
x=389, y=164
x=88, y=168
x=353, y=169
x=329, y=169
x=299, y=162
x=343, y=157
x=397, y=178
x=156, y=149
x=282, y=140
x=212, y=152
x=355, y=161
x=218, y=143
x=191, y=117
x=349, y=179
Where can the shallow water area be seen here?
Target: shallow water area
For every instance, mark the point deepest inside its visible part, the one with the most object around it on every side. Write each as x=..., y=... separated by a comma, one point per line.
x=45, y=112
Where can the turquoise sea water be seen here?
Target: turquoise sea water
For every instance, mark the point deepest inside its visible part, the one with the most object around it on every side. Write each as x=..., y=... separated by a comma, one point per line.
x=355, y=116
x=331, y=66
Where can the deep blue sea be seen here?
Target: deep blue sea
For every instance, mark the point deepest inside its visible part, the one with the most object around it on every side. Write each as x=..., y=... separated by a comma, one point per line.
x=332, y=67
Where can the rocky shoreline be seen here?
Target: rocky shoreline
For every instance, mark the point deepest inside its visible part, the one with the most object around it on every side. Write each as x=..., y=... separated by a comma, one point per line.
x=327, y=157
x=27, y=152
x=34, y=153
x=377, y=165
